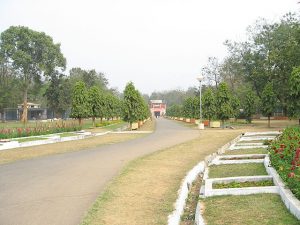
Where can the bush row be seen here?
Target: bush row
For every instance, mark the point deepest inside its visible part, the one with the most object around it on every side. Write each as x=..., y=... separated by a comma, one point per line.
x=285, y=158
x=41, y=129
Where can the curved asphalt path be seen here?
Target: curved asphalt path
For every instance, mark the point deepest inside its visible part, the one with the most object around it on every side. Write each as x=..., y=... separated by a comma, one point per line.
x=59, y=189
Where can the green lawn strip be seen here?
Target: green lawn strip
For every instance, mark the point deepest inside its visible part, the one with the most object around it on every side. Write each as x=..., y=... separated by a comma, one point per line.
x=244, y=184
x=247, y=151
x=237, y=170
x=30, y=139
x=259, y=209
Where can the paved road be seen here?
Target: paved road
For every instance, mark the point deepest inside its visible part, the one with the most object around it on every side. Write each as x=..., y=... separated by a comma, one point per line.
x=59, y=189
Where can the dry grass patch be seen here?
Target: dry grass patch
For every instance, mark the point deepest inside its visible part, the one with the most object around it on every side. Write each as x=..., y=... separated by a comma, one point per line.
x=11, y=155
x=260, y=209
x=247, y=151
x=237, y=170
x=144, y=193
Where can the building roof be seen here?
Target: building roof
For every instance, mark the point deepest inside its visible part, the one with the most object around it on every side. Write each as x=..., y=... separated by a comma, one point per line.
x=156, y=101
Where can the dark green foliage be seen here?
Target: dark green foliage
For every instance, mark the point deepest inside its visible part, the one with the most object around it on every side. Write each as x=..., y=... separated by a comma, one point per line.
x=294, y=94
x=32, y=54
x=94, y=102
x=134, y=106
x=80, y=106
x=268, y=100
x=209, y=106
x=224, y=102
x=249, y=105
x=191, y=107
x=175, y=111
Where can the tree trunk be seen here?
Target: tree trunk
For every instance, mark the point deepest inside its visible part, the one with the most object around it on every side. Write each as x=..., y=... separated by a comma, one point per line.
x=93, y=118
x=269, y=123
x=25, y=109
x=299, y=121
x=130, y=125
x=79, y=120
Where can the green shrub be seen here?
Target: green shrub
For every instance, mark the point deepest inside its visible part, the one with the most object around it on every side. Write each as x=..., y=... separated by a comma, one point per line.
x=285, y=158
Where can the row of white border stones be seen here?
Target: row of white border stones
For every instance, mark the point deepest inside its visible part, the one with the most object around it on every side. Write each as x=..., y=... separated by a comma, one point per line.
x=174, y=217
x=291, y=202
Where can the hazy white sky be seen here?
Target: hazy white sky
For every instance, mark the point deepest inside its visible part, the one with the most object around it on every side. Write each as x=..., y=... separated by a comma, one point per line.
x=157, y=44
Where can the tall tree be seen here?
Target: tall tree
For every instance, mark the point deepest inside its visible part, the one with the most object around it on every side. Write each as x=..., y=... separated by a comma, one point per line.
x=269, y=101
x=189, y=108
x=80, y=105
x=209, y=104
x=212, y=71
x=132, y=104
x=94, y=102
x=294, y=94
x=249, y=105
x=89, y=77
x=224, y=100
x=32, y=54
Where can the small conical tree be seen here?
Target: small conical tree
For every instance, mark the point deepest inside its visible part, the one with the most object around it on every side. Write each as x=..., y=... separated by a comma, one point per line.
x=131, y=102
x=94, y=101
x=223, y=103
x=249, y=105
x=209, y=104
x=80, y=106
x=268, y=100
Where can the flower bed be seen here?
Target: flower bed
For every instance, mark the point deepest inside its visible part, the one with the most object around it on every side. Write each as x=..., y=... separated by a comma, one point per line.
x=40, y=129
x=285, y=158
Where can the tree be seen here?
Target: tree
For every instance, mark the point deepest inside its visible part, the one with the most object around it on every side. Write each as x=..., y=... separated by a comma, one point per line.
x=294, y=94
x=131, y=103
x=89, y=77
x=249, y=105
x=191, y=107
x=223, y=102
x=209, y=104
x=235, y=104
x=10, y=94
x=32, y=55
x=212, y=71
x=175, y=111
x=269, y=101
x=80, y=105
x=94, y=102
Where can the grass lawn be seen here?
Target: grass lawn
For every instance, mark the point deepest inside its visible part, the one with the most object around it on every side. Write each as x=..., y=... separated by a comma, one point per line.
x=247, y=151
x=237, y=170
x=244, y=184
x=260, y=209
x=146, y=189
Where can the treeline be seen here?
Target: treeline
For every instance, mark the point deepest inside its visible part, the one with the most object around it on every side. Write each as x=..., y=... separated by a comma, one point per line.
x=263, y=73
x=32, y=68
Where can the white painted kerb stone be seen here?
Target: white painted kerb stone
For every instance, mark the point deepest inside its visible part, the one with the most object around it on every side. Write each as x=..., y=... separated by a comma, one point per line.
x=174, y=218
x=290, y=201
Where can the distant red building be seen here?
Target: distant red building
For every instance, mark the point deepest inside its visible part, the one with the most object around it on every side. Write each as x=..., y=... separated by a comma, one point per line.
x=157, y=108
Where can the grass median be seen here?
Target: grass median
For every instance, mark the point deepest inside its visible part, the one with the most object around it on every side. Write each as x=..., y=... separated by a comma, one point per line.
x=146, y=189
x=259, y=209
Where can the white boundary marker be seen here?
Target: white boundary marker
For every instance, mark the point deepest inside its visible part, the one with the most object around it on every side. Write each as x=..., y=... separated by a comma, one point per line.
x=174, y=218
x=290, y=201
